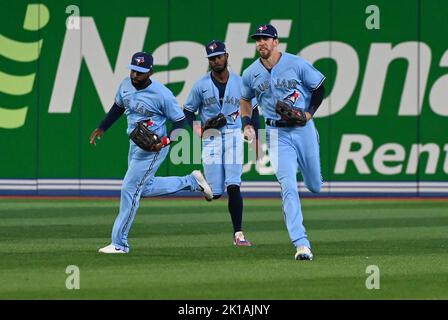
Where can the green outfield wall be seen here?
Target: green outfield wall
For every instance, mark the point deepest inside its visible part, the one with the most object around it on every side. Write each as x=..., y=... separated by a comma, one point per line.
x=384, y=118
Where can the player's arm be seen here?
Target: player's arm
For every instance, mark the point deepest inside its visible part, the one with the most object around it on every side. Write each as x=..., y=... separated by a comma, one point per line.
x=174, y=113
x=313, y=80
x=113, y=115
x=247, y=94
x=191, y=106
x=177, y=125
x=246, y=108
x=189, y=117
x=255, y=119
x=246, y=114
x=317, y=97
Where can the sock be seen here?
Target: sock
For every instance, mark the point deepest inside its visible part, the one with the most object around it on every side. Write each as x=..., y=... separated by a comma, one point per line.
x=235, y=206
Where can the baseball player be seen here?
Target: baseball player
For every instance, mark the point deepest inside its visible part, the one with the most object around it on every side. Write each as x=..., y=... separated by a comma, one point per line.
x=289, y=90
x=216, y=98
x=147, y=104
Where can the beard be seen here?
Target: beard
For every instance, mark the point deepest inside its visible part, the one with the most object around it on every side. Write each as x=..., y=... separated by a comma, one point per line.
x=139, y=84
x=265, y=53
x=219, y=69
x=136, y=82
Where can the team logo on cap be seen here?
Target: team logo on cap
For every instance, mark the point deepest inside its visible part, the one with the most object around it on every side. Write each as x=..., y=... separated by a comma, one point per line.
x=293, y=97
x=262, y=28
x=213, y=46
x=139, y=60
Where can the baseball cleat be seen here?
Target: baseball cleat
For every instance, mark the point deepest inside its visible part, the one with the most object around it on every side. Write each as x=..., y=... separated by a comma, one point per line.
x=303, y=253
x=203, y=185
x=111, y=249
x=240, y=241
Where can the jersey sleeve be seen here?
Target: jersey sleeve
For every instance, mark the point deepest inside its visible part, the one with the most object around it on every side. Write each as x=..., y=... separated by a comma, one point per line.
x=311, y=77
x=171, y=108
x=194, y=99
x=247, y=93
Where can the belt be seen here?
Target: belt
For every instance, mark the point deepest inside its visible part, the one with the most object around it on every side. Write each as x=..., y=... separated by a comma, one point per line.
x=279, y=123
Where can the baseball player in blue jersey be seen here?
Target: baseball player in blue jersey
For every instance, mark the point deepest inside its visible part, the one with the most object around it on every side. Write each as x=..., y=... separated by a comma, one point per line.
x=216, y=98
x=279, y=79
x=148, y=101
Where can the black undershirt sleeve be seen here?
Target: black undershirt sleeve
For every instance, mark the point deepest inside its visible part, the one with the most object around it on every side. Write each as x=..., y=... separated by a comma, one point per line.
x=316, y=99
x=178, y=124
x=190, y=117
x=255, y=120
x=114, y=113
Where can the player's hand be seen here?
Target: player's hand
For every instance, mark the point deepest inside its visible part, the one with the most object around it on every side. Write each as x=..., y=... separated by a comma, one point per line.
x=96, y=134
x=249, y=133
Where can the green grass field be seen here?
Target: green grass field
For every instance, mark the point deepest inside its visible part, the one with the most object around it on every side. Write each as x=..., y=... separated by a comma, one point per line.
x=182, y=249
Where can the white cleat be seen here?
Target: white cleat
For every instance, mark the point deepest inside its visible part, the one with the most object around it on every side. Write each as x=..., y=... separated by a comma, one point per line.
x=303, y=253
x=111, y=249
x=240, y=240
x=203, y=185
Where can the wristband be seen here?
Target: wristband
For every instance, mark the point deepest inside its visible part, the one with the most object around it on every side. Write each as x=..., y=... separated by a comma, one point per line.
x=246, y=121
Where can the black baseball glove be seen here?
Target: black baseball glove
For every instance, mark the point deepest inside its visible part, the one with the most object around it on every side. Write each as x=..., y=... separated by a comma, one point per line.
x=293, y=116
x=146, y=139
x=215, y=123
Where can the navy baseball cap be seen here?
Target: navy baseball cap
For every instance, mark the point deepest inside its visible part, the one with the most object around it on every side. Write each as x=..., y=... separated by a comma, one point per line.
x=141, y=62
x=215, y=48
x=265, y=30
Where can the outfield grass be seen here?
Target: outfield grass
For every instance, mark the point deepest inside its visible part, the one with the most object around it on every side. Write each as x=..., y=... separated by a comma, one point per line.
x=182, y=249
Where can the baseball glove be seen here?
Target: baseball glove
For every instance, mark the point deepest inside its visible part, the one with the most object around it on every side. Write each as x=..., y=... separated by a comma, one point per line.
x=145, y=138
x=215, y=123
x=293, y=116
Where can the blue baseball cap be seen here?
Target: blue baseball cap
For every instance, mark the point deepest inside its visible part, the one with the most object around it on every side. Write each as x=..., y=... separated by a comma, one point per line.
x=265, y=30
x=141, y=62
x=215, y=48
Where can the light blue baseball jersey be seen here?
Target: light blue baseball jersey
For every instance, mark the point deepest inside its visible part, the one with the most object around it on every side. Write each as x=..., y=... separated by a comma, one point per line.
x=292, y=78
x=156, y=102
x=204, y=97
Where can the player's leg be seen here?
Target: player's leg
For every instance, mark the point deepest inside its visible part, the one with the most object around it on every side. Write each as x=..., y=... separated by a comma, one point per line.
x=142, y=167
x=214, y=174
x=283, y=159
x=235, y=206
x=158, y=186
x=213, y=165
x=233, y=169
x=307, y=142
